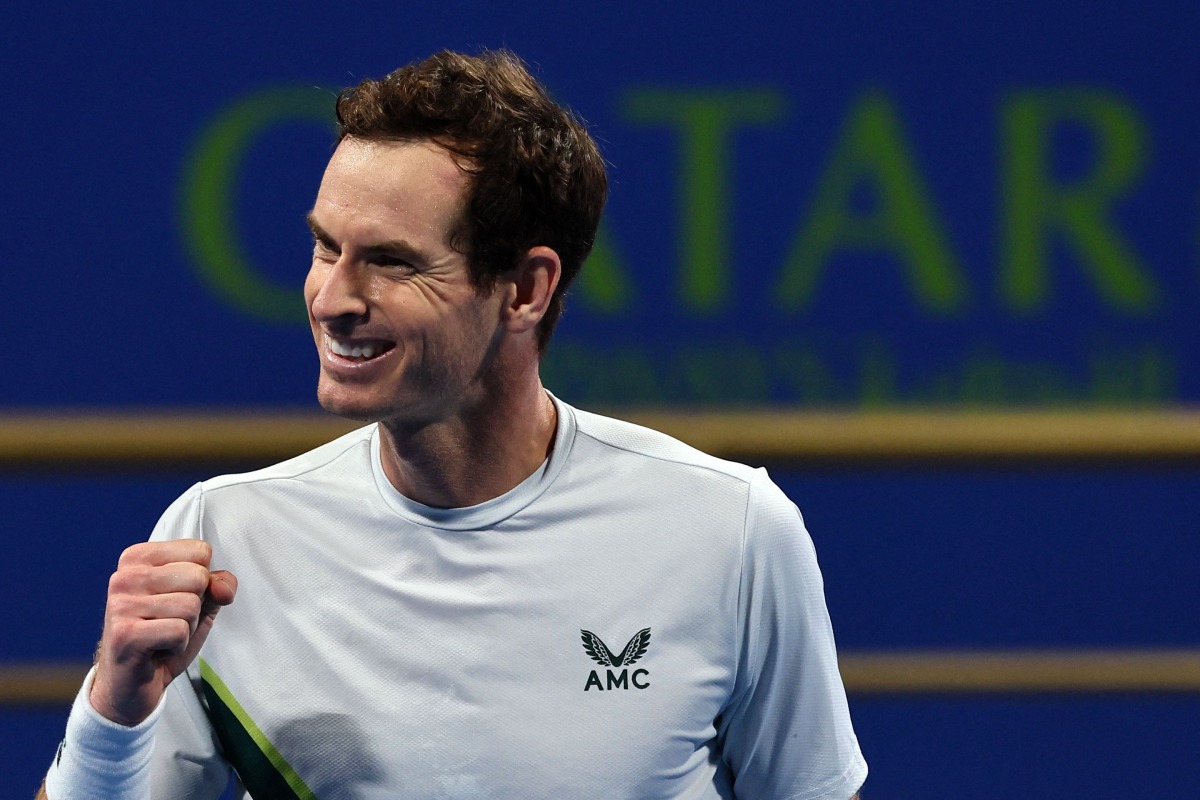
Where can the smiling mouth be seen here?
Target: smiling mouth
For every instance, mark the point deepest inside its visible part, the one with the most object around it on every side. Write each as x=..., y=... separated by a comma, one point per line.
x=357, y=350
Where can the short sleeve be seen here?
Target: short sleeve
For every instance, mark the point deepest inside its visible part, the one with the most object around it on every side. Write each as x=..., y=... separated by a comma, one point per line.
x=187, y=762
x=181, y=520
x=786, y=732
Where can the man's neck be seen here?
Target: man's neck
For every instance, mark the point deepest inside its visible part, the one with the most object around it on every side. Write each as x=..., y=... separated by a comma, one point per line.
x=472, y=457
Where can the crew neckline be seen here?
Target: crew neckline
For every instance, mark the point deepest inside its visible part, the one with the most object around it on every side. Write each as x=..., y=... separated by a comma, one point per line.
x=489, y=512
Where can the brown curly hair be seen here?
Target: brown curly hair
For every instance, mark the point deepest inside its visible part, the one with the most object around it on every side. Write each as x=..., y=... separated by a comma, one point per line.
x=537, y=177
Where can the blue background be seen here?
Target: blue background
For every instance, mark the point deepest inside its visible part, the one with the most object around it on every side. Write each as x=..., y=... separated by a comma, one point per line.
x=106, y=111
x=106, y=306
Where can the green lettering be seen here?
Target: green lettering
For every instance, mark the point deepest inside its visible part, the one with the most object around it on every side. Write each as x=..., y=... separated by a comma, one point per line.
x=721, y=374
x=1036, y=206
x=706, y=122
x=611, y=375
x=805, y=375
x=879, y=377
x=872, y=150
x=983, y=381
x=602, y=283
x=209, y=227
x=1133, y=377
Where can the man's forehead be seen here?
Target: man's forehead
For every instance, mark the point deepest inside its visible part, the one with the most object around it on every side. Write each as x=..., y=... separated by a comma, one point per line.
x=406, y=160
x=377, y=184
x=376, y=170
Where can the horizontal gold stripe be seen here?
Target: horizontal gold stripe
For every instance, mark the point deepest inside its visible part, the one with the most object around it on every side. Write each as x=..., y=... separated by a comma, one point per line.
x=971, y=672
x=40, y=684
x=934, y=434
x=864, y=673
x=45, y=439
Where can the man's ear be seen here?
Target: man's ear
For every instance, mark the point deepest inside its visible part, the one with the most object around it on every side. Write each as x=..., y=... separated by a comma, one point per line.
x=534, y=279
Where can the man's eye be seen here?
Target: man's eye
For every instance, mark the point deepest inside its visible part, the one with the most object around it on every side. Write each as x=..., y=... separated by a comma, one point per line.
x=392, y=261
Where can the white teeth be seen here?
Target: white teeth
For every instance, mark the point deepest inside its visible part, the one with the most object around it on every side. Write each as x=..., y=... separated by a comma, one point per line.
x=357, y=350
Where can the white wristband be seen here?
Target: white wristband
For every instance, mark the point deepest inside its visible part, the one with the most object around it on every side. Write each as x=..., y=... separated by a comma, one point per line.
x=100, y=759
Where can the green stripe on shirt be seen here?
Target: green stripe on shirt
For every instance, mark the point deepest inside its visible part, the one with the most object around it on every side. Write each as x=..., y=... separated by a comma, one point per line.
x=264, y=771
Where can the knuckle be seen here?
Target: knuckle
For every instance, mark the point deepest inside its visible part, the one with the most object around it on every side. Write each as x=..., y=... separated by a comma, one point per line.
x=128, y=579
x=181, y=634
x=130, y=554
x=181, y=605
x=122, y=580
x=119, y=632
x=118, y=606
x=193, y=577
x=198, y=551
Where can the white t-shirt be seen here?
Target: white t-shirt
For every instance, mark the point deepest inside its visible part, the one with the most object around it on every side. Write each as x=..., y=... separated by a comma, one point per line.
x=635, y=620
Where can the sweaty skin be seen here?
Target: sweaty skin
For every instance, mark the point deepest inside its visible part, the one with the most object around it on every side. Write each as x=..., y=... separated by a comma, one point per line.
x=407, y=339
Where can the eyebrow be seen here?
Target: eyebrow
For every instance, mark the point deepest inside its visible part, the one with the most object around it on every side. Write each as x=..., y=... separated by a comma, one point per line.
x=318, y=232
x=393, y=246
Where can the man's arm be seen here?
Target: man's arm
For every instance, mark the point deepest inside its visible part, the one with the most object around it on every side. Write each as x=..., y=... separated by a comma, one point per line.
x=788, y=697
x=162, y=602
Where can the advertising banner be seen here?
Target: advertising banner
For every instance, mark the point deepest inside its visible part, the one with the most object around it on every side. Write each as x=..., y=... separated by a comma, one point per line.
x=846, y=205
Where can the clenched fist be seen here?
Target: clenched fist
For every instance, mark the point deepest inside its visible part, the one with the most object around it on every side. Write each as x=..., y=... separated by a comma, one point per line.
x=162, y=602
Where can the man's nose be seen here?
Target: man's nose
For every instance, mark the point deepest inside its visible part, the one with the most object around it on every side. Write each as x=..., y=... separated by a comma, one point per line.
x=341, y=291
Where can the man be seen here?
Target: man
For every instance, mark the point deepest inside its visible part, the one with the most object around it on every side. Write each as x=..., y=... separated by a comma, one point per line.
x=434, y=606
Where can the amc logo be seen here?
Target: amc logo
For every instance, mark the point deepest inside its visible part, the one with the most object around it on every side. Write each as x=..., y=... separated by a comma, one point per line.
x=598, y=651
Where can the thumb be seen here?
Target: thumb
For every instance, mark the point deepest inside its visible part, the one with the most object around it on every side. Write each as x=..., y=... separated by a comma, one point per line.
x=222, y=588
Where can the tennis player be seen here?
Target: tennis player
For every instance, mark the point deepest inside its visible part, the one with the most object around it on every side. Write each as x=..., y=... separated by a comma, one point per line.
x=483, y=592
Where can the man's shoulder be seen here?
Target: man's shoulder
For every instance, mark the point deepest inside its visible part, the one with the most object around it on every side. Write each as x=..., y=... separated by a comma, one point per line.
x=329, y=478
x=356, y=443
x=627, y=439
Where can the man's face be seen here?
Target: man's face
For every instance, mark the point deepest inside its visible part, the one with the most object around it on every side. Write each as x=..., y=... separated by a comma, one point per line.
x=401, y=331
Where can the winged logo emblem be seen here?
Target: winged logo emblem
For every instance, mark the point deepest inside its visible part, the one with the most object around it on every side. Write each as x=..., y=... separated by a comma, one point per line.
x=595, y=647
